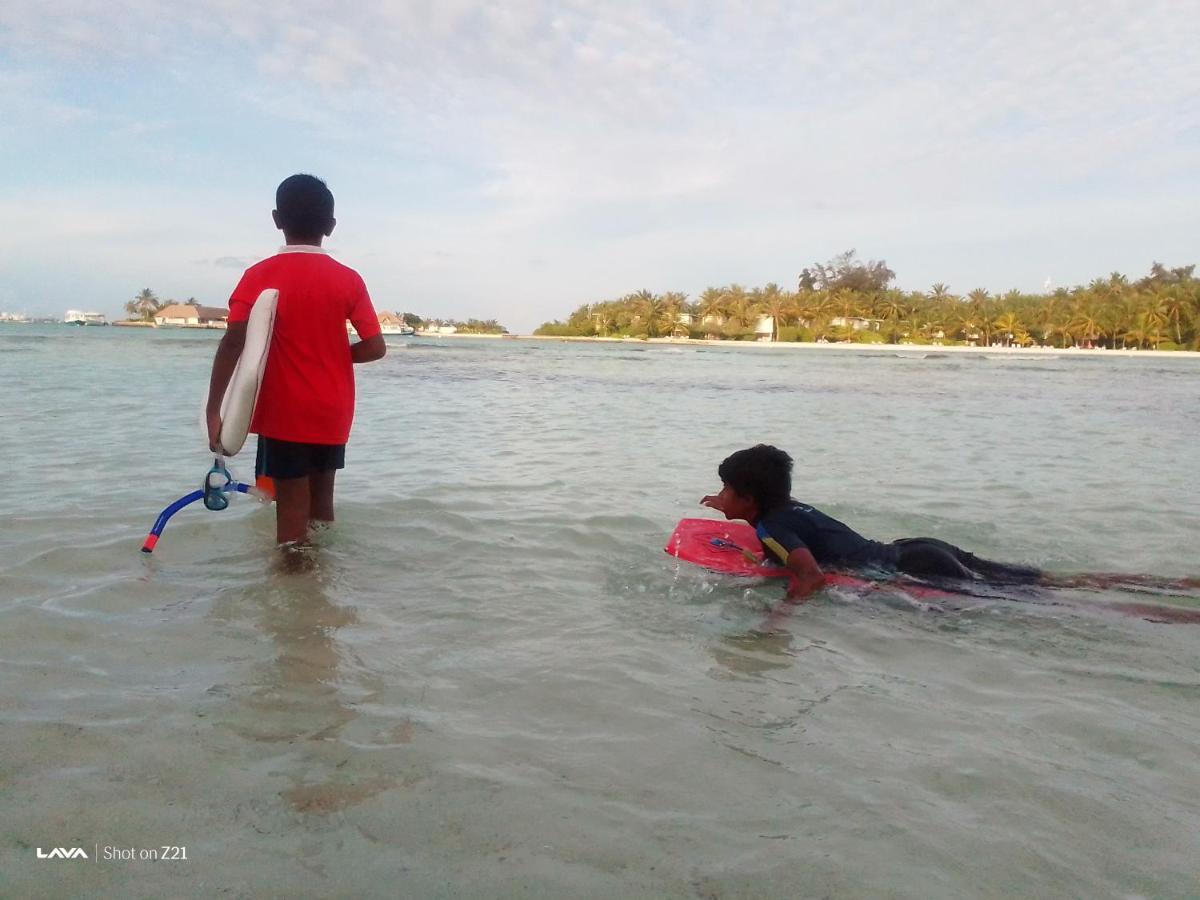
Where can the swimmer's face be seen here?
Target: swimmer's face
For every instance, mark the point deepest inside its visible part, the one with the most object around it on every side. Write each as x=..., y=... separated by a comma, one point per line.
x=732, y=504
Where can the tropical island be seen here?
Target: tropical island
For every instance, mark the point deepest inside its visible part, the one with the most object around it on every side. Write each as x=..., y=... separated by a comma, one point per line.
x=147, y=310
x=851, y=300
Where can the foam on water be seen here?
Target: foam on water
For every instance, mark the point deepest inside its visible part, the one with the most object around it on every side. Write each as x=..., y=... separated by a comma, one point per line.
x=495, y=683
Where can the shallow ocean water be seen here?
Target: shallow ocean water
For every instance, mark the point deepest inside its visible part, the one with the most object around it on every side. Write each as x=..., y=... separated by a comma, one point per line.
x=495, y=683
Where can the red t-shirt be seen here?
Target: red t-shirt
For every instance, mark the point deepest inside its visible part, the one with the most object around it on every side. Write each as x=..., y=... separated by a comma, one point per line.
x=307, y=393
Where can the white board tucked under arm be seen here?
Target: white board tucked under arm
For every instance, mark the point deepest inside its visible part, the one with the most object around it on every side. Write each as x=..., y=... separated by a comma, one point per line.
x=237, y=406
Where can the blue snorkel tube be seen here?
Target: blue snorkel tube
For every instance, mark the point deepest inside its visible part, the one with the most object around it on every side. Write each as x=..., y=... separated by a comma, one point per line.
x=218, y=483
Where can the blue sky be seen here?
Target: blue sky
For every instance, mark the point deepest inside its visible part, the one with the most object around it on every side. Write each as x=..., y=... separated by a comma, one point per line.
x=514, y=160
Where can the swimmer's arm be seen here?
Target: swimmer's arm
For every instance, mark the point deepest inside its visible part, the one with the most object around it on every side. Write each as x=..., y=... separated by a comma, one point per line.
x=371, y=349
x=808, y=576
x=228, y=353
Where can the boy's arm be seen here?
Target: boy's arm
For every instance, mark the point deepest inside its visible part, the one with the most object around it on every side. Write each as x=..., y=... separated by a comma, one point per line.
x=808, y=576
x=371, y=349
x=361, y=314
x=228, y=353
x=782, y=542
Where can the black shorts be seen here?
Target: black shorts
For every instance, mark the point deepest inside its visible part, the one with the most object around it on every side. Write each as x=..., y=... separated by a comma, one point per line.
x=289, y=459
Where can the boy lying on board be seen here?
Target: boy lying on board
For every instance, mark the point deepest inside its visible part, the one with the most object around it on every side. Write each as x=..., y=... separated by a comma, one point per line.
x=756, y=485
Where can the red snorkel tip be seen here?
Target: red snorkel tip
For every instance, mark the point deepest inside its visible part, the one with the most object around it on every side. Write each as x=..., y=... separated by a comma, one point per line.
x=151, y=540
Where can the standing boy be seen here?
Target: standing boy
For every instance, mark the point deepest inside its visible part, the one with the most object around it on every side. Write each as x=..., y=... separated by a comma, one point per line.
x=306, y=403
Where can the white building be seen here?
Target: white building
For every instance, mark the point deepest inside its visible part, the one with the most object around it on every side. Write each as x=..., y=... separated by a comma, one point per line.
x=855, y=323
x=191, y=314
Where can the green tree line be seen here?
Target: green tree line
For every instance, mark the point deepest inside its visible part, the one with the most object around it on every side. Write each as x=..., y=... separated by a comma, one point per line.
x=848, y=299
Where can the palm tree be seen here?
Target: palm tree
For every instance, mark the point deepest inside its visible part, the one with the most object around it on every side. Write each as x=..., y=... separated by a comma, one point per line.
x=1008, y=326
x=981, y=306
x=603, y=318
x=815, y=307
x=1049, y=313
x=1139, y=332
x=1154, y=309
x=1064, y=327
x=933, y=324
x=674, y=304
x=1175, y=309
x=737, y=305
x=775, y=303
x=892, y=308
x=892, y=305
x=1112, y=323
x=649, y=309
x=967, y=325
x=624, y=314
x=1086, y=325
x=939, y=308
x=846, y=304
x=712, y=303
x=143, y=306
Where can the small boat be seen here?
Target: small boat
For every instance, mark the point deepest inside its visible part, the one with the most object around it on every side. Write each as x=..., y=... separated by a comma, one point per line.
x=77, y=317
x=405, y=330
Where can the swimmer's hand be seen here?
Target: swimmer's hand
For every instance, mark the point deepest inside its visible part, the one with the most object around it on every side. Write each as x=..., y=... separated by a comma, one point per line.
x=806, y=576
x=798, y=591
x=713, y=501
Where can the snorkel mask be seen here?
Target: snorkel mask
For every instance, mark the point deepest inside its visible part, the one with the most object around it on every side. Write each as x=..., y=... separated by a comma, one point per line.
x=216, y=483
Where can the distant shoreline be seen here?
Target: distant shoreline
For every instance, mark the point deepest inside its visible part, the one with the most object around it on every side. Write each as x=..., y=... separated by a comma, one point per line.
x=470, y=334
x=858, y=347
x=846, y=346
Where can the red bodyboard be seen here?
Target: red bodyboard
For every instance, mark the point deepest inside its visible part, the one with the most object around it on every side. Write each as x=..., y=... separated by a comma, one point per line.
x=733, y=548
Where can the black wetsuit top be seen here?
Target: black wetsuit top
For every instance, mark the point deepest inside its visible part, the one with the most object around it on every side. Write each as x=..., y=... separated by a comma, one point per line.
x=792, y=525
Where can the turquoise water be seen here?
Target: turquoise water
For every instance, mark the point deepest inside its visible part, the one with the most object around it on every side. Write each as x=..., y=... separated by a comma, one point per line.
x=497, y=684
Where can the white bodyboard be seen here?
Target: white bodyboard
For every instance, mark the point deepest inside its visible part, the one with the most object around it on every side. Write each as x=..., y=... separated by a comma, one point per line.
x=237, y=406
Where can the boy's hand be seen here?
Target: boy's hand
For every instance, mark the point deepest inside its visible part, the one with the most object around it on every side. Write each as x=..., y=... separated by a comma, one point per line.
x=806, y=576
x=797, y=591
x=214, y=430
x=713, y=501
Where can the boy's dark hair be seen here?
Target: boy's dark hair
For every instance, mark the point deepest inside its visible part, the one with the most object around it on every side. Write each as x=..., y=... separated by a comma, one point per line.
x=305, y=206
x=761, y=472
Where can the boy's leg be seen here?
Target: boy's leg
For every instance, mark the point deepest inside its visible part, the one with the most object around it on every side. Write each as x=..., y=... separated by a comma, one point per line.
x=287, y=465
x=293, y=503
x=320, y=490
x=930, y=556
x=325, y=460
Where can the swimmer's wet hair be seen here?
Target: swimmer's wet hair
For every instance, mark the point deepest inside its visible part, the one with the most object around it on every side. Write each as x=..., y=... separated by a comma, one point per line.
x=305, y=206
x=761, y=472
